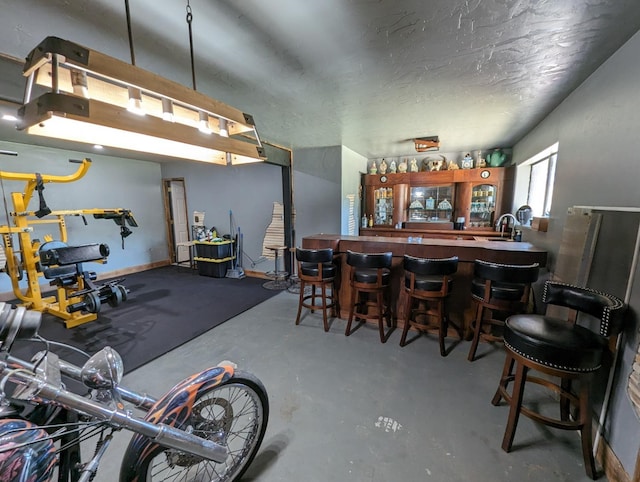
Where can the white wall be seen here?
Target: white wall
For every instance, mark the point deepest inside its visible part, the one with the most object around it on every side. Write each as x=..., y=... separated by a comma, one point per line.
x=599, y=165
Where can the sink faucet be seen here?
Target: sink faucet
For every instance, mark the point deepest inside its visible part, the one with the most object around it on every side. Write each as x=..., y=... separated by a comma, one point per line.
x=501, y=226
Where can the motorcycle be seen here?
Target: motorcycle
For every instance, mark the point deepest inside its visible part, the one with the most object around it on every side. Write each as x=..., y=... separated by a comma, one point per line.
x=207, y=427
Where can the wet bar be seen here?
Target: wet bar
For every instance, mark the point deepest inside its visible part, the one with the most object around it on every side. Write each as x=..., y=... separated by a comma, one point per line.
x=460, y=306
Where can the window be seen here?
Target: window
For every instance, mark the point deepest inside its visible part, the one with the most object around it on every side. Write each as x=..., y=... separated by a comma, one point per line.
x=540, y=171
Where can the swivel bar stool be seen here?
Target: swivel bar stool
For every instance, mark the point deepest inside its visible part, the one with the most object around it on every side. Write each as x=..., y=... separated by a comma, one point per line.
x=498, y=290
x=564, y=352
x=278, y=278
x=316, y=270
x=370, y=277
x=428, y=281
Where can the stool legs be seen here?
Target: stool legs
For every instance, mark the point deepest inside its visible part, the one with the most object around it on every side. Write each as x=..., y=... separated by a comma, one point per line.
x=443, y=322
x=382, y=304
x=437, y=311
x=407, y=321
x=323, y=293
x=312, y=306
x=276, y=265
x=565, y=402
x=507, y=376
x=515, y=405
x=442, y=328
x=476, y=332
x=300, y=301
x=585, y=431
x=581, y=421
x=352, y=307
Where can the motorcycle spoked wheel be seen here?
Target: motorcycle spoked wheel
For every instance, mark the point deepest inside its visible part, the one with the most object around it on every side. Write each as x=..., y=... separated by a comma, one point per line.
x=234, y=413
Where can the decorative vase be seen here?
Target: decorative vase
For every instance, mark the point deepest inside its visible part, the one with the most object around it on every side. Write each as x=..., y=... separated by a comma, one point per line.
x=496, y=158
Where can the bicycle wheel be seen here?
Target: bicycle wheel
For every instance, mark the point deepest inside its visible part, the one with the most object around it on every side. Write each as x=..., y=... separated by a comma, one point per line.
x=235, y=414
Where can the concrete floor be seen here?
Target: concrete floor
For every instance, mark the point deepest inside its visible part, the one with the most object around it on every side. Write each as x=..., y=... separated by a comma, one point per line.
x=353, y=409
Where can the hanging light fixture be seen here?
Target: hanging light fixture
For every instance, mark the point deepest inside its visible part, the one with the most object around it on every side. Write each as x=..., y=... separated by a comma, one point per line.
x=167, y=110
x=224, y=132
x=86, y=99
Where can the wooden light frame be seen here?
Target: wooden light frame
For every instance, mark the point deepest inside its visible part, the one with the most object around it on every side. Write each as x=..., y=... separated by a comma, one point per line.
x=86, y=100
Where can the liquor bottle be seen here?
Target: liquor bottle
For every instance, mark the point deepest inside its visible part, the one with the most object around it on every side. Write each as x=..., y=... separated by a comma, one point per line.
x=370, y=220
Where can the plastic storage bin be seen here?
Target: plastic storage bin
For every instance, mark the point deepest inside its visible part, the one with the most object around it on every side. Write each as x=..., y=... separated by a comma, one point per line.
x=214, y=268
x=214, y=249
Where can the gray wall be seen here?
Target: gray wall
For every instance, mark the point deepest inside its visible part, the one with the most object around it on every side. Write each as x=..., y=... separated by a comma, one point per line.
x=317, y=191
x=598, y=165
x=110, y=183
x=248, y=191
x=353, y=165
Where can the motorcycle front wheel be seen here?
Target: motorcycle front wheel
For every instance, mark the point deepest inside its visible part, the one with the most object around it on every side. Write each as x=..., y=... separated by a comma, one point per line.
x=235, y=414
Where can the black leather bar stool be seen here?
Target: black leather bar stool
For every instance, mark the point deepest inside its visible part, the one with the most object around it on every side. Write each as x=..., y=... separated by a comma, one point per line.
x=498, y=290
x=428, y=281
x=316, y=270
x=565, y=352
x=370, y=277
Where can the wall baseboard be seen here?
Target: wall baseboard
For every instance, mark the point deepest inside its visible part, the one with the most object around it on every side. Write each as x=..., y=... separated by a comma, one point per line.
x=256, y=274
x=613, y=468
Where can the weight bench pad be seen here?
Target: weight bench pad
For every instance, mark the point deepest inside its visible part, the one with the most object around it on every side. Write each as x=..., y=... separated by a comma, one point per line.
x=74, y=254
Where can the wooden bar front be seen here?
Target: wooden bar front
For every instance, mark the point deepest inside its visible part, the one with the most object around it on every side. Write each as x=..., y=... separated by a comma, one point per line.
x=459, y=305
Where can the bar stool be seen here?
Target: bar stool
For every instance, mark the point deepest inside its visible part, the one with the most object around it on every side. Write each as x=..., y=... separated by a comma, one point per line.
x=370, y=275
x=429, y=281
x=316, y=269
x=498, y=290
x=278, y=278
x=562, y=350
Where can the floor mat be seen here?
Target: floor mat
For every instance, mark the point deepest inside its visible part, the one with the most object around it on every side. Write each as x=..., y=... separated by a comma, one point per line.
x=166, y=307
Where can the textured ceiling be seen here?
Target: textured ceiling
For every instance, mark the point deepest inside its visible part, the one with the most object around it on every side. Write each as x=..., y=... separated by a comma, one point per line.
x=367, y=74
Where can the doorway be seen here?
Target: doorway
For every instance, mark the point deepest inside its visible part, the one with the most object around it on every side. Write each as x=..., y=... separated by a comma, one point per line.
x=176, y=218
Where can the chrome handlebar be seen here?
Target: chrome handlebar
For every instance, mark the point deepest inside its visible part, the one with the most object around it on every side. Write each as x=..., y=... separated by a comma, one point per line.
x=35, y=382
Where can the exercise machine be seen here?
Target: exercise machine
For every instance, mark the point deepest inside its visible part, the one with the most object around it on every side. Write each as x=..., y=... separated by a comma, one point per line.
x=77, y=297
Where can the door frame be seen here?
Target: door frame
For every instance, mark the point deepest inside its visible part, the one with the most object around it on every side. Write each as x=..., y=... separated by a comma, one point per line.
x=168, y=214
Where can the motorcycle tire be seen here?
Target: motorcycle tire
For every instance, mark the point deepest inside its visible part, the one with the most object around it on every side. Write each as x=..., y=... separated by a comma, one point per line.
x=234, y=413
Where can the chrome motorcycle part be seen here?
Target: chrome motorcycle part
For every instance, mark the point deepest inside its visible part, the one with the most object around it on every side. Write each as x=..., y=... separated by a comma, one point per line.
x=17, y=324
x=104, y=370
x=160, y=433
x=233, y=413
x=48, y=364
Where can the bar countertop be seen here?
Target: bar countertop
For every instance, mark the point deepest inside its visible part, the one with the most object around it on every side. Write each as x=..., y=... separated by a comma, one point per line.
x=467, y=250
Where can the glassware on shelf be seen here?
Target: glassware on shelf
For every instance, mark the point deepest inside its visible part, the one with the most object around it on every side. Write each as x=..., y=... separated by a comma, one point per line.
x=482, y=205
x=383, y=206
x=430, y=198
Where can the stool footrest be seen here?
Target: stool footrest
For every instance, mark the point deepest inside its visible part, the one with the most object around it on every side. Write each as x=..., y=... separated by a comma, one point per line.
x=324, y=300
